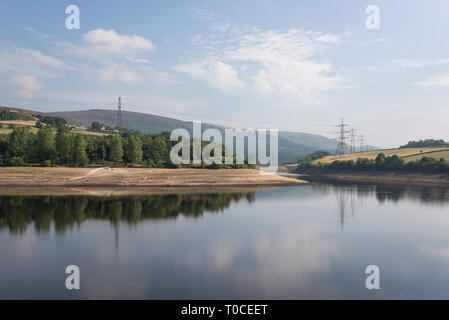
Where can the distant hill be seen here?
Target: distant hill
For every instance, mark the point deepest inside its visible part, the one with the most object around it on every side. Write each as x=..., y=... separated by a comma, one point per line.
x=142, y=122
x=292, y=145
x=408, y=154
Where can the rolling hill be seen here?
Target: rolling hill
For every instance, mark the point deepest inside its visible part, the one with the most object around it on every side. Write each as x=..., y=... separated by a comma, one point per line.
x=292, y=145
x=408, y=154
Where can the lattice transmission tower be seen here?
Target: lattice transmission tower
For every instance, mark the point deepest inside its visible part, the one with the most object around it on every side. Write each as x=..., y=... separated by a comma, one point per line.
x=361, y=143
x=342, y=147
x=352, y=140
x=119, y=113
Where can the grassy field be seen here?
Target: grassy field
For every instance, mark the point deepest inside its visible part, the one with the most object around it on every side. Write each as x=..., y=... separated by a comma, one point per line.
x=408, y=154
x=435, y=154
x=20, y=123
x=35, y=130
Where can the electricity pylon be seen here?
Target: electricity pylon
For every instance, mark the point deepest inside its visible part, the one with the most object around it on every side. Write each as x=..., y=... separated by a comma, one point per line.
x=352, y=149
x=361, y=143
x=342, y=147
x=119, y=113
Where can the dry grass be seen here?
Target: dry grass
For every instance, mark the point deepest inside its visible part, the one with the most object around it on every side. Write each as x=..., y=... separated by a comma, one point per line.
x=22, y=123
x=35, y=130
x=436, y=154
x=408, y=154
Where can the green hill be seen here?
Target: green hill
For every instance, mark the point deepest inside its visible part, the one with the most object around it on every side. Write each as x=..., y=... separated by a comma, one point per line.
x=292, y=145
x=408, y=154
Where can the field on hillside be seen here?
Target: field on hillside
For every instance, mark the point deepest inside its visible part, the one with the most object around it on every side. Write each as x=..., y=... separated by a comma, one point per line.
x=436, y=154
x=35, y=130
x=22, y=123
x=409, y=154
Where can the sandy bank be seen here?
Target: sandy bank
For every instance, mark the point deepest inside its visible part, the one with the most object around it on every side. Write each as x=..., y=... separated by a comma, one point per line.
x=134, y=180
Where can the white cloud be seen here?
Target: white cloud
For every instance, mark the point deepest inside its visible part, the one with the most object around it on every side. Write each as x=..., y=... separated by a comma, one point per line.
x=29, y=85
x=438, y=81
x=117, y=73
x=285, y=63
x=329, y=38
x=24, y=68
x=116, y=58
x=20, y=61
x=216, y=73
x=102, y=42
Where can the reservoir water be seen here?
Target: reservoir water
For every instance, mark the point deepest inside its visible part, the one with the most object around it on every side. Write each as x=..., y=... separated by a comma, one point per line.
x=306, y=242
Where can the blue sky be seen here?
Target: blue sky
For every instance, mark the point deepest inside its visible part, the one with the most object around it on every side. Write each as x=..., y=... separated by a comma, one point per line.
x=291, y=65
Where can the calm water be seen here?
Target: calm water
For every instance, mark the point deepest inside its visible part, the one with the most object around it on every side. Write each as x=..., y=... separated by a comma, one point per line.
x=290, y=243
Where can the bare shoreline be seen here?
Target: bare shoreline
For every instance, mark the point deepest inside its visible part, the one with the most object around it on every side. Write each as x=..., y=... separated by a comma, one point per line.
x=132, y=181
x=398, y=178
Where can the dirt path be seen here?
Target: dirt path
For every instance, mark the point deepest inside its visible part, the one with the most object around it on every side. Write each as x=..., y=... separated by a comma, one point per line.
x=106, y=171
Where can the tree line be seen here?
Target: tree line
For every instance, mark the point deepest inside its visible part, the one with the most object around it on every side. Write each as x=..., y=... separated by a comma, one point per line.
x=47, y=148
x=314, y=156
x=425, y=143
x=384, y=163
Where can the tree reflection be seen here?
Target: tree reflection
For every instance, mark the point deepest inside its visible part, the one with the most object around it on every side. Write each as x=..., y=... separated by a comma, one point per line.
x=64, y=213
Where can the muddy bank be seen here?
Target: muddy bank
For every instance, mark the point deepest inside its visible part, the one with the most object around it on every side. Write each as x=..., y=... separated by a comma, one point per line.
x=135, y=180
x=400, y=178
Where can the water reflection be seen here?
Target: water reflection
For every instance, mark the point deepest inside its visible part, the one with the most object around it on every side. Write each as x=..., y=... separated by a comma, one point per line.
x=18, y=212
x=351, y=197
x=284, y=243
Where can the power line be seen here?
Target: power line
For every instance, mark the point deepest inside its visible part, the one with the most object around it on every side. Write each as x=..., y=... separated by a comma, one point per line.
x=361, y=143
x=119, y=113
x=352, y=149
x=342, y=147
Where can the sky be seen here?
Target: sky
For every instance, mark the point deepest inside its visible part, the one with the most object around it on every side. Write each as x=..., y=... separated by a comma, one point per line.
x=288, y=65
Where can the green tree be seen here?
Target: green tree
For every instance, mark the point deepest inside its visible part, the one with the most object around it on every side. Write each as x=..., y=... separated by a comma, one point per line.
x=79, y=156
x=116, y=149
x=134, y=151
x=21, y=143
x=155, y=150
x=45, y=145
x=4, y=146
x=63, y=144
x=100, y=148
x=380, y=161
x=96, y=125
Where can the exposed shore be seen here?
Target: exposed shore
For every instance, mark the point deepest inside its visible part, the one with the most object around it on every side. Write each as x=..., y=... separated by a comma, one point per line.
x=121, y=181
x=401, y=178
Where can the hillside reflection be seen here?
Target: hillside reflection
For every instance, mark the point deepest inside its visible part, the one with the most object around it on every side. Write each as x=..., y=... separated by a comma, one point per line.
x=18, y=212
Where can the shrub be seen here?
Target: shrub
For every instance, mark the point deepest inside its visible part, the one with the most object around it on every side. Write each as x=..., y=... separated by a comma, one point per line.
x=16, y=162
x=47, y=163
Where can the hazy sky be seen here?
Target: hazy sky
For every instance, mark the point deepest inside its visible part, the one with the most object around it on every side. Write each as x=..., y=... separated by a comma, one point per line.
x=291, y=65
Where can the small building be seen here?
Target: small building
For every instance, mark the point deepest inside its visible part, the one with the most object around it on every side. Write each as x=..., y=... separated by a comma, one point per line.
x=39, y=124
